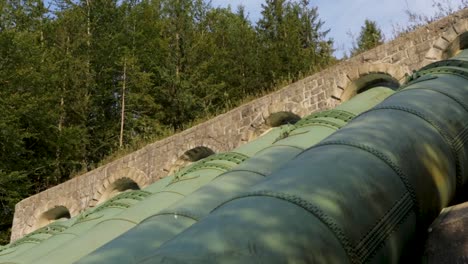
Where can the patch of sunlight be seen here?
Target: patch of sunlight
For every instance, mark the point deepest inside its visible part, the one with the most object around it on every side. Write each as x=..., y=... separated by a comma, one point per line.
x=443, y=183
x=275, y=241
x=327, y=204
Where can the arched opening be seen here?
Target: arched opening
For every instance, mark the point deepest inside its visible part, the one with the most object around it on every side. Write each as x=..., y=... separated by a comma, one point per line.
x=197, y=154
x=273, y=120
x=191, y=156
x=52, y=215
x=119, y=186
x=458, y=44
x=281, y=118
x=367, y=82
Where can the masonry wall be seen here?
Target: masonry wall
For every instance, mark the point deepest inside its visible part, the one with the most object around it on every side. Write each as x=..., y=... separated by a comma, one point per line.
x=320, y=91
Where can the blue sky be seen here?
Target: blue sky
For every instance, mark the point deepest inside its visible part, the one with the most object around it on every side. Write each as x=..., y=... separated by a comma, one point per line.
x=343, y=16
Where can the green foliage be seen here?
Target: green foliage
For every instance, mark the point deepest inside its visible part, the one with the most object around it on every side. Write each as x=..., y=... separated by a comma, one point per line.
x=369, y=37
x=13, y=187
x=292, y=41
x=72, y=75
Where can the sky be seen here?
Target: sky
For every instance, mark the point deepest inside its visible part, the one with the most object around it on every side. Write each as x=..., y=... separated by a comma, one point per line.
x=347, y=16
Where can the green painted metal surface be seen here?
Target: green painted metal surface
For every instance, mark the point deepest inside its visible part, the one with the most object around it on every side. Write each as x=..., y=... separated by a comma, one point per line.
x=116, y=204
x=164, y=225
x=31, y=240
x=120, y=213
x=366, y=194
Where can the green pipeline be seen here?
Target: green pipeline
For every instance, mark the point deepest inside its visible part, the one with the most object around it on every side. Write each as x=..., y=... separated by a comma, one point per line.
x=110, y=220
x=32, y=239
x=117, y=225
x=366, y=194
x=159, y=195
x=166, y=224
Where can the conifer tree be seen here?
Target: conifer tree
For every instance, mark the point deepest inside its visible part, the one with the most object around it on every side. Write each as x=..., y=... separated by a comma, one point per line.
x=369, y=37
x=293, y=42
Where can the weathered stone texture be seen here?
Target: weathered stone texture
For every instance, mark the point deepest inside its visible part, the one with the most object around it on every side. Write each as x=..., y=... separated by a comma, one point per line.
x=323, y=90
x=447, y=241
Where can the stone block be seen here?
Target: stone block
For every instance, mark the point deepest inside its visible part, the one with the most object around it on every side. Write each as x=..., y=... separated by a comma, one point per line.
x=352, y=72
x=319, y=81
x=341, y=80
x=296, y=99
x=316, y=90
x=246, y=111
x=450, y=35
x=396, y=72
x=369, y=56
x=387, y=59
x=364, y=69
x=434, y=54
x=421, y=48
x=461, y=27
x=399, y=56
x=380, y=68
x=321, y=97
x=447, y=240
x=441, y=44
x=336, y=92
x=322, y=105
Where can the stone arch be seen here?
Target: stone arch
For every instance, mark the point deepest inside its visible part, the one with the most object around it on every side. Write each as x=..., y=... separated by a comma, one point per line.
x=119, y=186
x=273, y=120
x=458, y=44
x=281, y=118
x=126, y=179
x=452, y=40
x=189, y=142
x=69, y=203
x=370, y=76
x=192, y=155
x=51, y=215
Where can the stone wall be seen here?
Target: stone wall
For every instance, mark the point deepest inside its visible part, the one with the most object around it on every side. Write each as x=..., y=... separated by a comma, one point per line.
x=323, y=90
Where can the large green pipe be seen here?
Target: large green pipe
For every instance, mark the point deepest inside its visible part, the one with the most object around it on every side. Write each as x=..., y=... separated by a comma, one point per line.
x=116, y=225
x=75, y=226
x=164, y=225
x=34, y=238
x=366, y=194
x=158, y=195
x=107, y=229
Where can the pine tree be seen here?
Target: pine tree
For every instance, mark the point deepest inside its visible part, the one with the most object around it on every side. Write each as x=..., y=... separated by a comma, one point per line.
x=226, y=63
x=270, y=29
x=69, y=79
x=293, y=42
x=24, y=121
x=369, y=37
x=175, y=91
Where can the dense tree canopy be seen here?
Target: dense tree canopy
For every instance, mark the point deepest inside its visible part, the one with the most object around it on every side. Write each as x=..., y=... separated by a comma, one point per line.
x=80, y=79
x=369, y=37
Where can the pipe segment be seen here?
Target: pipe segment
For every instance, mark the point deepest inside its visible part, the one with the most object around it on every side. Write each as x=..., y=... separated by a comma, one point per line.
x=121, y=202
x=114, y=205
x=366, y=194
x=147, y=236
x=80, y=224
x=34, y=238
x=73, y=226
x=122, y=212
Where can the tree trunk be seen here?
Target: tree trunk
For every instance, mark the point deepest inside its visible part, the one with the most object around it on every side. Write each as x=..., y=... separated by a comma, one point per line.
x=122, y=117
